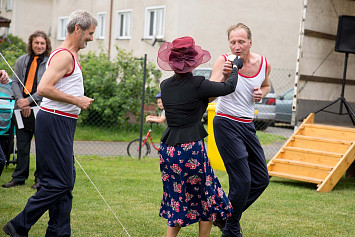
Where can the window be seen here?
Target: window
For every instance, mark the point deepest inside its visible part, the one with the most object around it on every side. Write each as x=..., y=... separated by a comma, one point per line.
x=5, y=30
x=62, y=27
x=289, y=95
x=101, y=21
x=124, y=22
x=8, y=5
x=154, y=22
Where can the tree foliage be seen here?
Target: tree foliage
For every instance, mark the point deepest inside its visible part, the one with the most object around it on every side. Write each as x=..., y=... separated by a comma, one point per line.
x=11, y=47
x=116, y=87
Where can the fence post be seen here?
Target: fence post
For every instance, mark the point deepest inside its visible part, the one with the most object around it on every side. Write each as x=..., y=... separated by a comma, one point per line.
x=142, y=109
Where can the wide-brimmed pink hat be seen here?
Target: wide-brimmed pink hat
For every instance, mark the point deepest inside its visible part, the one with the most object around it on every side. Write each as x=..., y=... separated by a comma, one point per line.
x=181, y=55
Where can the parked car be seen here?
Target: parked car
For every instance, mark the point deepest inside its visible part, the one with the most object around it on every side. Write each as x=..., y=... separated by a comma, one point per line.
x=265, y=111
x=284, y=107
x=206, y=72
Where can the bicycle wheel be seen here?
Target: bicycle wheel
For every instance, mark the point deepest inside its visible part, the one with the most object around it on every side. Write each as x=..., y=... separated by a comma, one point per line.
x=133, y=149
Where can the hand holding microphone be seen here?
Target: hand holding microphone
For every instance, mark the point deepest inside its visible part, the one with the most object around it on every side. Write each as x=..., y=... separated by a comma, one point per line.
x=236, y=61
x=232, y=65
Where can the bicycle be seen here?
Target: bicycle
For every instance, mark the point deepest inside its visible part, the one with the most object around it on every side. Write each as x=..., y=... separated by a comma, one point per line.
x=133, y=146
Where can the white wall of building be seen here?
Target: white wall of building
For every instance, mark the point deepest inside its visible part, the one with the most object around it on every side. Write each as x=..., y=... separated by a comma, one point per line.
x=274, y=24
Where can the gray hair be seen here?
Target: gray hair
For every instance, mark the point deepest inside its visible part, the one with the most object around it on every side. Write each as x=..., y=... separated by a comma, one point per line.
x=82, y=18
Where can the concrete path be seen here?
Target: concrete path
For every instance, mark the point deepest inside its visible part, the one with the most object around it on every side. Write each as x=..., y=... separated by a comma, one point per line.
x=271, y=150
x=120, y=148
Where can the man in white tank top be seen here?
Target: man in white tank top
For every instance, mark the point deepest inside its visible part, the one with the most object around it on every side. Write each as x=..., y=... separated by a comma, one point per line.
x=63, y=90
x=234, y=130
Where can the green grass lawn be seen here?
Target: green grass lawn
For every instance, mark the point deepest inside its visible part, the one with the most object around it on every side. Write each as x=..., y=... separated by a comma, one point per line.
x=133, y=189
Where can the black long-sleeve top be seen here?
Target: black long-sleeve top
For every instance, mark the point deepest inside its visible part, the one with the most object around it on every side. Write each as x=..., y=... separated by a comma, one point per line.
x=185, y=99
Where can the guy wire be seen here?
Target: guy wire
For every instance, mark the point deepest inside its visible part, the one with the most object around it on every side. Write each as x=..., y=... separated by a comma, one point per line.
x=101, y=196
x=19, y=79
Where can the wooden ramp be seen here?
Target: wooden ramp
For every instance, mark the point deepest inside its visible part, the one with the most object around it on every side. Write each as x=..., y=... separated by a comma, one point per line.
x=315, y=153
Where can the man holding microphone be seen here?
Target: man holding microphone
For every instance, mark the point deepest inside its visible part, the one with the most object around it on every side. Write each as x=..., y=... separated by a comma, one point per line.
x=234, y=129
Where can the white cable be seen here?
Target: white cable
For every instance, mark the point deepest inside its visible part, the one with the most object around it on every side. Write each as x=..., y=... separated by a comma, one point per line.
x=18, y=79
x=102, y=197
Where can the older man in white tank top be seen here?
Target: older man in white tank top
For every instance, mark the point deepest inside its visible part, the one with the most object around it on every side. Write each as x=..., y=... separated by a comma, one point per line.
x=63, y=91
x=234, y=130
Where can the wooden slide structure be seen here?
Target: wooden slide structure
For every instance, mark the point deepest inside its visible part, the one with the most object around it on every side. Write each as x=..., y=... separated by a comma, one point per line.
x=315, y=153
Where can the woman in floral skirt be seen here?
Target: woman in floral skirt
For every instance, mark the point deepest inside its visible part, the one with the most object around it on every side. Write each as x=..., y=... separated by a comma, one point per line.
x=192, y=192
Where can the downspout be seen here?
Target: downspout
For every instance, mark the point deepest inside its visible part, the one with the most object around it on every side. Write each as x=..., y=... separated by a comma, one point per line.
x=110, y=30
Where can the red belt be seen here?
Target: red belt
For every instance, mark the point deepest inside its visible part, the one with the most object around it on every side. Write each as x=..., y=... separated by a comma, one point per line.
x=60, y=112
x=244, y=120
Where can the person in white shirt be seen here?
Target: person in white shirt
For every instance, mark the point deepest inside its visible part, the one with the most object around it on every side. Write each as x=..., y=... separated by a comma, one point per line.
x=63, y=91
x=234, y=129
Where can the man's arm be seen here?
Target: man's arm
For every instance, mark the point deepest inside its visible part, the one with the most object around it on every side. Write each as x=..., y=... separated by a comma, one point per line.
x=220, y=71
x=261, y=92
x=61, y=64
x=16, y=86
x=155, y=119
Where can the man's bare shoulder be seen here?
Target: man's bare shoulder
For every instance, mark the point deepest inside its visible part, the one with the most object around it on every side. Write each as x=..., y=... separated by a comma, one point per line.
x=255, y=58
x=62, y=61
x=62, y=55
x=218, y=63
x=62, y=58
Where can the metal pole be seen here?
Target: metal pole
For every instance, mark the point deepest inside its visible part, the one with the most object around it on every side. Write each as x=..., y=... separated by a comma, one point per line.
x=142, y=108
x=110, y=31
x=343, y=83
x=299, y=53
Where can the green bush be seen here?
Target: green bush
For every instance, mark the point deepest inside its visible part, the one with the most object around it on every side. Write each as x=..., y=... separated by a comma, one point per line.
x=116, y=86
x=11, y=47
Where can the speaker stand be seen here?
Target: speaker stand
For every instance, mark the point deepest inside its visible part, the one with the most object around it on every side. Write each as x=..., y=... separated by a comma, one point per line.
x=341, y=99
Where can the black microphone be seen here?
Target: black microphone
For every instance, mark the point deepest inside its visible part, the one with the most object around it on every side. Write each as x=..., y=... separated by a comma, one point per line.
x=238, y=63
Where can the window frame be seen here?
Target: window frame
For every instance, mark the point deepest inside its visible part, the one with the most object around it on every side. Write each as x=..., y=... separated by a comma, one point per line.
x=8, y=6
x=101, y=25
x=61, y=27
x=127, y=15
x=147, y=24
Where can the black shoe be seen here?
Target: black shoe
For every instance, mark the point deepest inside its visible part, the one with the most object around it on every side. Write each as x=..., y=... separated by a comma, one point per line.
x=226, y=233
x=10, y=230
x=220, y=223
x=35, y=186
x=13, y=183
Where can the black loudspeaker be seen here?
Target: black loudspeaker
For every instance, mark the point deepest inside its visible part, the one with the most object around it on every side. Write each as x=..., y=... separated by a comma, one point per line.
x=345, y=41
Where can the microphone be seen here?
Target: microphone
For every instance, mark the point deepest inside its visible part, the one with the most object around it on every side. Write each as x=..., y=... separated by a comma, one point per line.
x=236, y=61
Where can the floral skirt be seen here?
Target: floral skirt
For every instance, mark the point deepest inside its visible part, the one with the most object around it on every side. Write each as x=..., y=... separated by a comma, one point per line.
x=192, y=191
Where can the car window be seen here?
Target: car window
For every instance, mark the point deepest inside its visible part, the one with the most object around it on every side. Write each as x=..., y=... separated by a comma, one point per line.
x=271, y=88
x=203, y=72
x=288, y=95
